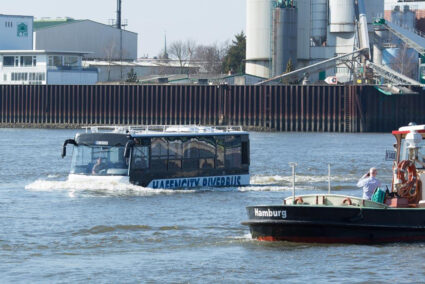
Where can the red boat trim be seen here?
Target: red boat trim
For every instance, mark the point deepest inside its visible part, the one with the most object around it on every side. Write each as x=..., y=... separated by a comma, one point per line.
x=395, y=132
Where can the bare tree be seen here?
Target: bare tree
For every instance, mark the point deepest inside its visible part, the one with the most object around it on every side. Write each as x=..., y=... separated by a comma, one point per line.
x=183, y=52
x=211, y=57
x=179, y=51
x=110, y=51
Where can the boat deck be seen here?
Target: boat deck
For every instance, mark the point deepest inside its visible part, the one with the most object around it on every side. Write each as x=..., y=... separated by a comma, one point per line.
x=332, y=200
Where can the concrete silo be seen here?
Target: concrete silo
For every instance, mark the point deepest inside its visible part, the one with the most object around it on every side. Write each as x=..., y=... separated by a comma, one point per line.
x=284, y=39
x=319, y=21
x=341, y=16
x=258, y=41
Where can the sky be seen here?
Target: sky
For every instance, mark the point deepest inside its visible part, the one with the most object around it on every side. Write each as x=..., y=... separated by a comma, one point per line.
x=203, y=21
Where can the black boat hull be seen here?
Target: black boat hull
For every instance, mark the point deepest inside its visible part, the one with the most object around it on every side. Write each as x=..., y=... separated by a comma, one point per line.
x=328, y=224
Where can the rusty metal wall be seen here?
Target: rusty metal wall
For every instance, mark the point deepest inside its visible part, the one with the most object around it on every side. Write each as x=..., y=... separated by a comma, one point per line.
x=274, y=108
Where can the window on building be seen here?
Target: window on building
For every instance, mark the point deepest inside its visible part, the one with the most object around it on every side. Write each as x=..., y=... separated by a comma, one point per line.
x=37, y=76
x=70, y=61
x=5, y=77
x=55, y=61
x=26, y=61
x=16, y=60
x=20, y=76
x=8, y=61
x=34, y=61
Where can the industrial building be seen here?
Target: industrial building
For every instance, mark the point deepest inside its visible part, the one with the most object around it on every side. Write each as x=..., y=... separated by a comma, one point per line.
x=21, y=64
x=40, y=67
x=304, y=32
x=406, y=13
x=99, y=40
x=145, y=69
x=16, y=32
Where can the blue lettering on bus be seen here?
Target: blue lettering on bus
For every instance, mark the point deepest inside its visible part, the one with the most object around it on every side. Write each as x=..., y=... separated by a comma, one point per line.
x=196, y=182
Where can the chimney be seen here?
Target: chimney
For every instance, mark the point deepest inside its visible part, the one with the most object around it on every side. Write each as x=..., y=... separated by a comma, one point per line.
x=118, y=14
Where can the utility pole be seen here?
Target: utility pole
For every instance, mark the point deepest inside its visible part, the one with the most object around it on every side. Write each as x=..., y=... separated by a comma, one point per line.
x=119, y=26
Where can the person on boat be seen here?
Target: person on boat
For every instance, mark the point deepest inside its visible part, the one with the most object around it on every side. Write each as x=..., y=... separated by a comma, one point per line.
x=99, y=166
x=370, y=183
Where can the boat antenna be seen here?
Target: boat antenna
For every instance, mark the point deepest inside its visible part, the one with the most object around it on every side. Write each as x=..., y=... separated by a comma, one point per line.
x=329, y=178
x=293, y=166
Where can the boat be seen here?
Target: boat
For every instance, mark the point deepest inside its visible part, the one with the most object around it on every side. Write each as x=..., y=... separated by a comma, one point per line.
x=331, y=218
x=161, y=157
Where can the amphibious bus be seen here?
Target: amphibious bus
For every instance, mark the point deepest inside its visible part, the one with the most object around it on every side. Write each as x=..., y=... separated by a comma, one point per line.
x=166, y=157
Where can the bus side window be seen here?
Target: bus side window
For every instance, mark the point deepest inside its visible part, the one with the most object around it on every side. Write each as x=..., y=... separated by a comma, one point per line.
x=140, y=158
x=159, y=154
x=233, y=153
x=245, y=150
x=175, y=153
x=219, y=163
x=206, y=152
x=191, y=154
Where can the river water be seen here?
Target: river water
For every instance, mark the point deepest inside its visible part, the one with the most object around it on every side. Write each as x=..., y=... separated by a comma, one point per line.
x=54, y=231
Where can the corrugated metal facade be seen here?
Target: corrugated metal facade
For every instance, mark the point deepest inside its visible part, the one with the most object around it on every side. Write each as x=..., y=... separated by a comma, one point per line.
x=273, y=108
x=98, y=40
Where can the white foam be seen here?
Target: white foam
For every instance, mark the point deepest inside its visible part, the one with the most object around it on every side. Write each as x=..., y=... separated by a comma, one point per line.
x=277, y=179
x=272, y=183
x=97, y=187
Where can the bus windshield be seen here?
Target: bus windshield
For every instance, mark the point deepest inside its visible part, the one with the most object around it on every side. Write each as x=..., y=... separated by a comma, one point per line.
x=99, y=160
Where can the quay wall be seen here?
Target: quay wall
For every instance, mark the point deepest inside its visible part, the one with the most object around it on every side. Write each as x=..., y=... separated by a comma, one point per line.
x=344, y=108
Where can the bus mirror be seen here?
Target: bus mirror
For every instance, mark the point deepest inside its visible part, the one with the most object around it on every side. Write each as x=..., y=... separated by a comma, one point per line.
x=128, y=147
x=63, y=151
x=69, y=141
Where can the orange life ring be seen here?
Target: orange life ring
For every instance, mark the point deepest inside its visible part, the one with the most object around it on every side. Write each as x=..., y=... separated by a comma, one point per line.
x=347, y=200
x=299, y=200
x=409, y=184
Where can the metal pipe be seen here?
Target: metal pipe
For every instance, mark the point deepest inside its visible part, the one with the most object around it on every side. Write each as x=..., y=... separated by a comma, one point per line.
x=293, y=166
x=329, y=178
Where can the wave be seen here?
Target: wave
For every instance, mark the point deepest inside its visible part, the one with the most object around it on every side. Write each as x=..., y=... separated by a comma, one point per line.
x=107, y=229
x=277, y=179
x=97, y=187
x=257, y=183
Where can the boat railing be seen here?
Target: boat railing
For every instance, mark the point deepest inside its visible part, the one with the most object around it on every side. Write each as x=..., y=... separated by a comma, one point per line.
x=145, y=129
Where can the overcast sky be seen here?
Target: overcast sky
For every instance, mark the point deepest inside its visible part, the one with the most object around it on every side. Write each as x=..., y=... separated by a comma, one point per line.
x=204, y=21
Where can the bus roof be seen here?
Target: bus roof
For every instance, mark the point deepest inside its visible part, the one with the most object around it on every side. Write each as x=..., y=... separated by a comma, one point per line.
x=167, y=130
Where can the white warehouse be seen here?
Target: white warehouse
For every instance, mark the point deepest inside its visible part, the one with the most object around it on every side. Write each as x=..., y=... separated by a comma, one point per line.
x=100, y=40
x=16, y=32
x=40, y=67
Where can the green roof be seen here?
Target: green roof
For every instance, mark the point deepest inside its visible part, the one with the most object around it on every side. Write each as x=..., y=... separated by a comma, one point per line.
x=47, y=24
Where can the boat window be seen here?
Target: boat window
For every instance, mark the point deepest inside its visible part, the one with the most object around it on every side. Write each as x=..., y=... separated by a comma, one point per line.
x=191, y=148
x=233, y=152
x=413, y=154
x=140, y=158
x=159, y=147
x=99, y=160
x=220, y=152
x=245, y=153
x=174, y=164
x=175, y=150
x=159, y=154
x=421, y=156
x=206, y=163
x=206, y=147
x=175, y=153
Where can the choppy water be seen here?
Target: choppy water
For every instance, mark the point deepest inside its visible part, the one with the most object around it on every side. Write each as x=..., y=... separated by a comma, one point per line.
x=54, y=231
